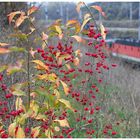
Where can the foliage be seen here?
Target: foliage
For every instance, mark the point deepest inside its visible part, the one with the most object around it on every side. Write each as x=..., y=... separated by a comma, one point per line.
x=53, y=95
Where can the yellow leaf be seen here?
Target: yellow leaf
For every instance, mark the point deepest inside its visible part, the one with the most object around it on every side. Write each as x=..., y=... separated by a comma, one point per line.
x=51, y=77
x=78, y=52
x=35, y=131
x=41, y=64
x=77, y=28
x=57, y=22
x=63, y=123
x=21, y=119
x=57, y=94
x=4, y=50
x=68, y=66
x=99, y=9
x=87, y=16
x=12, y=15
x=11, y=129
x=20, y=20
x=79, y=6
x=76, y=61
x=103, y=31
x=85, y=22
x=69, y=22
x=34, y=107
x=18, y=103
x=32, y=10
x=78, y=38
x=44, y=76
x=66, y=103
x=66, y=89
x=58, y=29
x=20, y=133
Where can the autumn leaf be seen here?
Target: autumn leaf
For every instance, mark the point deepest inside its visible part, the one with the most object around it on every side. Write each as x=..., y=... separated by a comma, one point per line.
x=59, y=31
x=20, y=20
x=35, y=131
x=76, y=61
x=79, y=6
x=19, y=93
x=103, y=31
x=85, y=22
x=66, y=89
x=41, y=65
x=77, y=28
x=4, y=50
x=32, y=10
x=34, y=107
x=78, y=52
x=99, y=9
x=51, y=77
x=19, y=133
x=63, y=123
x=3, y=44
x=87, y=16
x=18, y=103
x=12, y=15
x=11, y=129
x=69, y=22
x=22, y=118
x=66, y=103
x=57, y=94
x=58, y=22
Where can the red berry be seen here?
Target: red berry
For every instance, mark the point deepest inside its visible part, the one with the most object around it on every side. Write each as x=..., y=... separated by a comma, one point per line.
x=114, y=132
